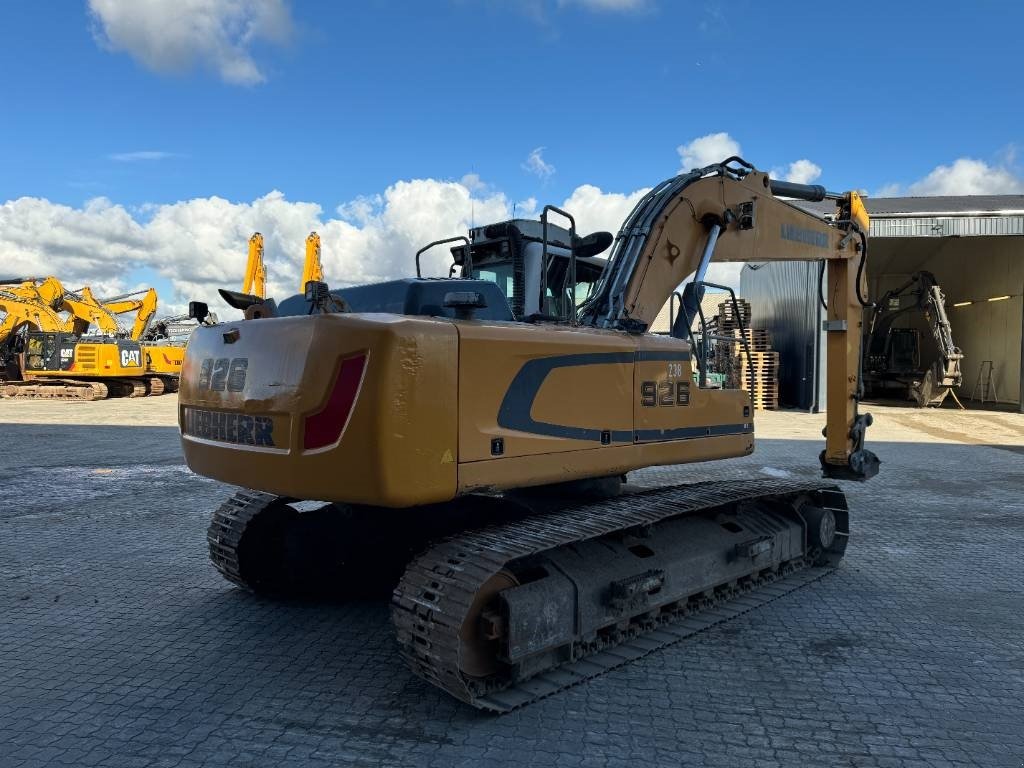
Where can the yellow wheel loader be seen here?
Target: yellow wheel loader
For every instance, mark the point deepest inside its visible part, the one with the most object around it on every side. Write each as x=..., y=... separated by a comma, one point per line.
x=468, y=438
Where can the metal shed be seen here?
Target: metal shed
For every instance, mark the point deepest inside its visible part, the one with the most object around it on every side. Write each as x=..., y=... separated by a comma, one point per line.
x=975, y=247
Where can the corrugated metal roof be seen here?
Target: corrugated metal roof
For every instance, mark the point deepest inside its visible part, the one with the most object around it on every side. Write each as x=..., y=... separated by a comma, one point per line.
x=947, y=205
x=945, y=216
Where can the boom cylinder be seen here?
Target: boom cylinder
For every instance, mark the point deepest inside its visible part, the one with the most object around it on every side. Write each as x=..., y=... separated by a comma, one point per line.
x=813, y=193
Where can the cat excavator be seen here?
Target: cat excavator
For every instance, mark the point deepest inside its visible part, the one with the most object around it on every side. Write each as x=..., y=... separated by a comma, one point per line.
x=44, y=349
x=162, y=355
x=468, y=438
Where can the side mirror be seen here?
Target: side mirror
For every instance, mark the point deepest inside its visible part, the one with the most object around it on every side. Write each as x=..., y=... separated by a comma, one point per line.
x=198, y=311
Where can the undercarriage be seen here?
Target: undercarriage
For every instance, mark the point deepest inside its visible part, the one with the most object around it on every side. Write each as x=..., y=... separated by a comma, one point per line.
x=529, y=601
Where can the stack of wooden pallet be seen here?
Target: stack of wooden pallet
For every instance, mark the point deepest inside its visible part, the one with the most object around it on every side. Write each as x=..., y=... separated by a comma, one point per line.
x=758, y=373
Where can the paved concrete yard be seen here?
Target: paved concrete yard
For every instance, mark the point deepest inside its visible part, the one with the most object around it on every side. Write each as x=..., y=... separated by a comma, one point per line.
x=121, y=646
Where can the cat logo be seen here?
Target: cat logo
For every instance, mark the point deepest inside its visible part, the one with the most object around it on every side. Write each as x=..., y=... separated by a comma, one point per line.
x=131, y=358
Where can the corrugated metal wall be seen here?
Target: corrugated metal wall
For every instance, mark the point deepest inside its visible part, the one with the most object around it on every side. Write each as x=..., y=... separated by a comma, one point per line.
x=947, y=226
x=783, y=300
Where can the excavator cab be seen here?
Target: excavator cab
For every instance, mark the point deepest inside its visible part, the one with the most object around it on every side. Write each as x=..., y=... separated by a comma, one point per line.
x=543, y=270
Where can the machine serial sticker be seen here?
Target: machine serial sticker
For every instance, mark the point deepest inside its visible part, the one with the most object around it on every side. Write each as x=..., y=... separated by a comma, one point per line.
x=806, y=236
x=237, y=428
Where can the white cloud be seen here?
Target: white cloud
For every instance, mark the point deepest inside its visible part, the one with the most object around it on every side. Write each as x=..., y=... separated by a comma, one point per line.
x=177, y=35
x=473, y=182
x=595, y=210
x=199, y=245
x=706, y=150
x=802, y=172
x=536, y=164
x=965, y=176
x=133, y=157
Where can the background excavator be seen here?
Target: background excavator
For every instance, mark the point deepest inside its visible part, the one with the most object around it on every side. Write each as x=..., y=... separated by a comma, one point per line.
x=468, y=440
x=60, y=343
x=895, y=359
x=45, y=353
x=162, y=355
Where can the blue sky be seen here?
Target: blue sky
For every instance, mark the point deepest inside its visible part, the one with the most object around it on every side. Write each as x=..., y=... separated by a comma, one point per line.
x=330, y=102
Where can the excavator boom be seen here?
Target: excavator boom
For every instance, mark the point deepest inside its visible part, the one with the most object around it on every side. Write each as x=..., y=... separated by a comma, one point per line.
x=730, y=212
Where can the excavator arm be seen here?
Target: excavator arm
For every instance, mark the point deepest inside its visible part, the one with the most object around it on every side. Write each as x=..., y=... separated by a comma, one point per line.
x=19, y=311
x=144, y=309
x=312, y=269
x=88, y=310
x=28, y=301
x=732, y=212
x=255, y=281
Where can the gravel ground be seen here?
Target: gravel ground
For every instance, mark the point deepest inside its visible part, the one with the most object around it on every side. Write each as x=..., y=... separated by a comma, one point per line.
x=121, y=646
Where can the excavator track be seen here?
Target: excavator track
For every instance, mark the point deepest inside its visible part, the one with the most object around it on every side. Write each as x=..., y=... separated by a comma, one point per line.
x=133, y=387
x=448, y=617
x=56, y=389
x=155, y=385
x=249, y=565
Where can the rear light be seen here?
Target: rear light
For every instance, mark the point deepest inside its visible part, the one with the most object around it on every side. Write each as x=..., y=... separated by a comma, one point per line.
x=327, y=425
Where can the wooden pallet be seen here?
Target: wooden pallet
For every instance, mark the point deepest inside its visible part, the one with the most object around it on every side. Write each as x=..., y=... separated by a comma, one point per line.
x=725, y=311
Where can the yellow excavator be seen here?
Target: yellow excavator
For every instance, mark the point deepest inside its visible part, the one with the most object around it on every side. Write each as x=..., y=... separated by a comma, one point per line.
x=163, y=356
x=44, y=352
x=468, y=439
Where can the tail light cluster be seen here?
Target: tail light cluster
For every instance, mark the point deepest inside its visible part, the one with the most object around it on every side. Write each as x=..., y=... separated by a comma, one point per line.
x=326, y=426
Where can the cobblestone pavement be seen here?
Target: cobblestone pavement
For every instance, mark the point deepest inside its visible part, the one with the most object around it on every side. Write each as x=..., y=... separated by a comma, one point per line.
x=121, y=646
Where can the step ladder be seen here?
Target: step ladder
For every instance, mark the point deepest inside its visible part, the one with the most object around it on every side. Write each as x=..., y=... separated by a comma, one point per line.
x=986, y=383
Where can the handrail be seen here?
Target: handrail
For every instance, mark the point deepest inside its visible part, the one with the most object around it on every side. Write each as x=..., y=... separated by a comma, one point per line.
x=570, y=280
x=467, y=262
